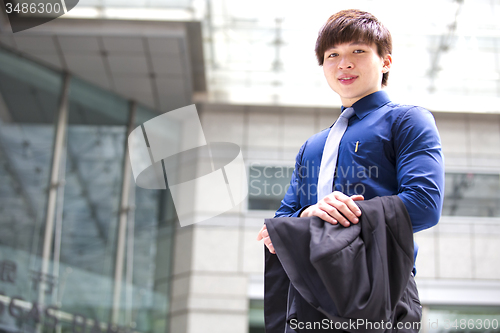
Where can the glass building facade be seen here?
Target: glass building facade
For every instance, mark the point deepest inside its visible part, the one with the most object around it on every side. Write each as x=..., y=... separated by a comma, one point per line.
x=81, y=247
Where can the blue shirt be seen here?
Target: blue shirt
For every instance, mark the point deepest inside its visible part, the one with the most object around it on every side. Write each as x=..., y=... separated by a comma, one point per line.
x=387, y=149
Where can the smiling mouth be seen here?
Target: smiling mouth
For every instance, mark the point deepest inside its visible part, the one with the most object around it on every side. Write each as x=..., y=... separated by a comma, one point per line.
x=348, y=78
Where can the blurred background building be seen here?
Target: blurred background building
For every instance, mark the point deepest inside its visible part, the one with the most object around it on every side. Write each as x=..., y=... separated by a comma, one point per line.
x=83, y=249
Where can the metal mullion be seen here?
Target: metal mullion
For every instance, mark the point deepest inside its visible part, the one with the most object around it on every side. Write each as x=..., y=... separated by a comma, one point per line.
x=123, y=218
x=58, y=147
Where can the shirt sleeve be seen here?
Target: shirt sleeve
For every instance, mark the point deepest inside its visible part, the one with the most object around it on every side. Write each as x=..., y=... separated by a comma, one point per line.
x=420, y=167
x=290, y=205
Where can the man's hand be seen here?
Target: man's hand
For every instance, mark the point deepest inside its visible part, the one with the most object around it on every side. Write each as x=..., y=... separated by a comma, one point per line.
x=263, y=234
x=336, y=208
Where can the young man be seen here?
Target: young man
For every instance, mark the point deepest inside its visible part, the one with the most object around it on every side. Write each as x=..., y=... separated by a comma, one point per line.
x=387, y=149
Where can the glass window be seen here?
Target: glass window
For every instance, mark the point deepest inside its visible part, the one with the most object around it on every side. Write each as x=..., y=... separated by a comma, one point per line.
x=95, y=149
x=81, y=276
x=466, y=194
x=267, y=186
x=256, y=316
x=461, y=319
x=152, y=223
x=472, y=194
x=29, y=97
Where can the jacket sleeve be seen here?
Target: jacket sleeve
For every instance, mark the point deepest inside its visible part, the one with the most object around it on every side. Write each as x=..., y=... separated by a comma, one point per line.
x=420, y=167
x=276, y=284
x=291, y=205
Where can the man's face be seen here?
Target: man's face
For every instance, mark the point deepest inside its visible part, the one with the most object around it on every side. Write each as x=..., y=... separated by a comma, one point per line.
x=354, y=70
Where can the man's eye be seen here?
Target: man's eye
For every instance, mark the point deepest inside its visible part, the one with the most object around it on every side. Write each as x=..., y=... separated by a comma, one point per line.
x=332, y=55
x=358, y=51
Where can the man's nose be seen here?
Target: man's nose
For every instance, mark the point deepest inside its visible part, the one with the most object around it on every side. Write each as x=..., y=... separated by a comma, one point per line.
x=345, y=62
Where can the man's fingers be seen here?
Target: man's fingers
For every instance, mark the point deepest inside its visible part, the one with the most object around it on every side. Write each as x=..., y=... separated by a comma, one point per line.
x=353, y=208
x=342, y=220
x=325, y=212
x=259, y=235
x=264, y=235
x=349, y=208
x=269, y=245
x=357, y=197
x=267, y=242
x=343, y=211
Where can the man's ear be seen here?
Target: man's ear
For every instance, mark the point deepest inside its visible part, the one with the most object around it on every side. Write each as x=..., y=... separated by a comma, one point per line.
x=387, y=63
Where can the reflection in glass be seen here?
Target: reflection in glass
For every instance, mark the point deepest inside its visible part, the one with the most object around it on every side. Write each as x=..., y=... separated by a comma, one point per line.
x=29, y=96
x=267, y=186
x=457, y=319
x=94, y=160
x=472, y=194
x=81, y=274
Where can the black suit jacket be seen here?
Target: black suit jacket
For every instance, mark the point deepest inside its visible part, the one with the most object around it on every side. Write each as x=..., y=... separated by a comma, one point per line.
x=361, y=273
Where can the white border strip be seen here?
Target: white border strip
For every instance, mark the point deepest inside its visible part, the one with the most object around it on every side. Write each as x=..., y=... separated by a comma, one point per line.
x=64, y=6
x=458, y=292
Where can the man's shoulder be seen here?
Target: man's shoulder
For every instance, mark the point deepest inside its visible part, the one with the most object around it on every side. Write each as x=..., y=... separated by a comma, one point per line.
x=400, y=112
x=401, y=109
x=411, y=121
x=315, y=143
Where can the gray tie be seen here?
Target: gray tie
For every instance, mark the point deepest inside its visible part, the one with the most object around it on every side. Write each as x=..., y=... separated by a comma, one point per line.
x=330, y=154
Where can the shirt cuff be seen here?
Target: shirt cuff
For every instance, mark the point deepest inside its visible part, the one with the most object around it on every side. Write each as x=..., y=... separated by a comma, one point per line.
x=297, y=213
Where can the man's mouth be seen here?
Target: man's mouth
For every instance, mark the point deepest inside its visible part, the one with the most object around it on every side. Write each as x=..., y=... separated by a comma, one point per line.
x=347, y=79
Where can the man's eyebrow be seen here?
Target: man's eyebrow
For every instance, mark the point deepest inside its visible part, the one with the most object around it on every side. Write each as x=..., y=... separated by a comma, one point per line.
x=358, y=43
x=350, y=44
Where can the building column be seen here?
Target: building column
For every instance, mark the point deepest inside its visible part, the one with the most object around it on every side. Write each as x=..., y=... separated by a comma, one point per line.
x=209, y=290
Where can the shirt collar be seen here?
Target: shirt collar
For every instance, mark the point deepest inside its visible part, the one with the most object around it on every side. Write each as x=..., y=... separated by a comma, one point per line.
x=369, y=103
